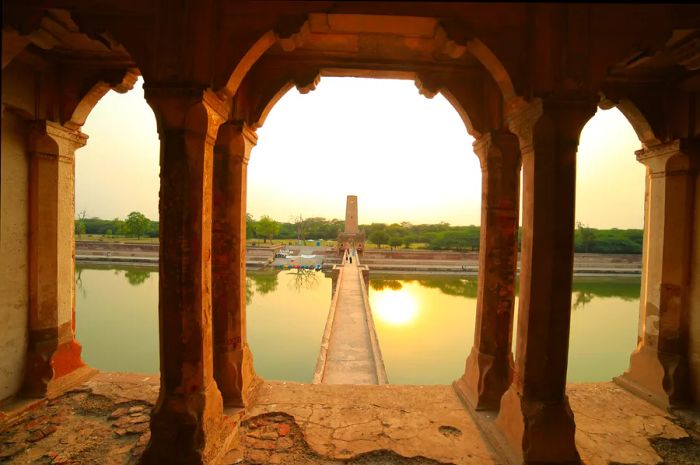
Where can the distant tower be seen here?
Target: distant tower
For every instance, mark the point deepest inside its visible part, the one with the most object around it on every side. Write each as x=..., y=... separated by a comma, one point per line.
x=352, y=237
x=351, y=215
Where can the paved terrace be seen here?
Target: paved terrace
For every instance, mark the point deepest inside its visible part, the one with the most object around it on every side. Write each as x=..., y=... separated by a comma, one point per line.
x=106, y=421
x=350, y=352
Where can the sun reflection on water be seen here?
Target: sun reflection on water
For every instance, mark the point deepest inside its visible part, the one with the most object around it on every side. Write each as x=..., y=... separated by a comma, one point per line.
x=395, y=307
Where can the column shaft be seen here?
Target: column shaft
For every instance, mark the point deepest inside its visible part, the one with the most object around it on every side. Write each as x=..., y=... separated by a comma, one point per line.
x=53, y=351
x=187, y=422
x=535, y=416
x=233, y=362
x=659, y=366
x=488, y=370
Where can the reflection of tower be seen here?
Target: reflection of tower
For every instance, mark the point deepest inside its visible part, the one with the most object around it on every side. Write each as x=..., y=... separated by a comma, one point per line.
x=352, y=237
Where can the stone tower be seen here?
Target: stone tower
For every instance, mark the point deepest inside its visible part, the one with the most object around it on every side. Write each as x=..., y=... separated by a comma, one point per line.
x=352, y=237
x=351, y=215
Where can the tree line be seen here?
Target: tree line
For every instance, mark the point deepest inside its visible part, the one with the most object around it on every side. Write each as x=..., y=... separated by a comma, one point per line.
x=440, y=236
x=134, y=225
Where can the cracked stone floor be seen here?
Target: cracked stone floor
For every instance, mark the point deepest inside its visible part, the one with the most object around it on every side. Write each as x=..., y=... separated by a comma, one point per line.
x=105, y=421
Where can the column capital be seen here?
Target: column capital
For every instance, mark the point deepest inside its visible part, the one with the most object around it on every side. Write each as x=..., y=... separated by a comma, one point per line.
x=51, y=140
x=568, y=116
x=505, y=144
x=236, y=139
x=192, y=109
x=521, y=116
x=685, y=154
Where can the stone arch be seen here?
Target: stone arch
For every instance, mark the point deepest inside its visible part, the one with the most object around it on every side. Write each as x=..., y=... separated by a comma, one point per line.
x=495, y=67
x=271, y=103
x=636, y=118
x=92, y=97
x=266, y=41
x=259, y=115
x=411, y=28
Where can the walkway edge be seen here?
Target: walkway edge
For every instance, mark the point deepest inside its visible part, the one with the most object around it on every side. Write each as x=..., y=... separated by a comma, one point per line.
x=376, y=351
x=325, y=340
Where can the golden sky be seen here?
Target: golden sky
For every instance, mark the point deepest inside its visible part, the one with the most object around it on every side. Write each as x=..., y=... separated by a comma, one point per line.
x=406, y=157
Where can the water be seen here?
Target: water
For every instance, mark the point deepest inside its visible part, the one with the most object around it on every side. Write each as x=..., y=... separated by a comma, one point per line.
x=425, y=324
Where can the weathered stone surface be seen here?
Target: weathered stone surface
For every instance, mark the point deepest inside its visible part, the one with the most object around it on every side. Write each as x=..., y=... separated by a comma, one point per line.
x=296, y=424
x=614, y=426
x=78, y=427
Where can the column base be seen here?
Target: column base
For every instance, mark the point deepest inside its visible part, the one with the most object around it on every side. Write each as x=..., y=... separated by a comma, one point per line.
x=656, y=377
x=235, y=377
x=485, y=380
x=51, y=369
x=188, y=429
x=536, y=432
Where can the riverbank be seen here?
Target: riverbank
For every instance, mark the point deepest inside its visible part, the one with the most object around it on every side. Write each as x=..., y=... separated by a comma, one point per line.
x=379, y=260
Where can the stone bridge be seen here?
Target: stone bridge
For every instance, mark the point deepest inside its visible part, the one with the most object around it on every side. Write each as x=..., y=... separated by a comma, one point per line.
x=350, y=351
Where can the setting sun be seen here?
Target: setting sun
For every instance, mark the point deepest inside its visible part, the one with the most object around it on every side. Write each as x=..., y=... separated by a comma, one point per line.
x=395, y=307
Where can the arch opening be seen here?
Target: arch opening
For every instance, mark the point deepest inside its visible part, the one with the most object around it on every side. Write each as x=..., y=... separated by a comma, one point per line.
x=116, y=234
x=610, y=190
x=377, y=139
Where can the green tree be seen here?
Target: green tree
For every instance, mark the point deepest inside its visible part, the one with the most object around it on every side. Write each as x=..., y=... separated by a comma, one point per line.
x=379, y=237
x=267, y=227
x=136, y=224
x=586, y=236
x=80, y=224
x=250, y=225
x=118, y=226
x=395, y=241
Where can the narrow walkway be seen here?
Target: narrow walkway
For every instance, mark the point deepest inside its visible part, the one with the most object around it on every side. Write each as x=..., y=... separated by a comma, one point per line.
x=350, y=358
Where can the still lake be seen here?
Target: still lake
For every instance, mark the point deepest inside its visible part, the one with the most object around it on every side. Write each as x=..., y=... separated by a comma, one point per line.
x=424, y=323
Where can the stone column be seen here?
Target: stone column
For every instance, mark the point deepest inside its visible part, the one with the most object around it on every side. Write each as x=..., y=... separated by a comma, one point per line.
x=659, y=366
x=535, y=417
x=187, y=421
x=233, y=362
x=53, y=352
x=488, y=370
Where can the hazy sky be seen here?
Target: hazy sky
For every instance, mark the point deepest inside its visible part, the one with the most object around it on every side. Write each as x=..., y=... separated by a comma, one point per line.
x=406, y=157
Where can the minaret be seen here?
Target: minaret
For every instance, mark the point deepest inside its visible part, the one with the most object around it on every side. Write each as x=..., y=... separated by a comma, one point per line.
x=351, y=215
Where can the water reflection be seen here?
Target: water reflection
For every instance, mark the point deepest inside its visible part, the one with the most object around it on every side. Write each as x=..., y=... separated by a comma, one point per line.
x=285, y=327
x=425, y=324
x=136, y=276
x=395, y=307
x=456, y=286
x=379, y=284
x=303, y=279
x=585, y=289
x=265, y=281
x=117, y=318
x=448, y=285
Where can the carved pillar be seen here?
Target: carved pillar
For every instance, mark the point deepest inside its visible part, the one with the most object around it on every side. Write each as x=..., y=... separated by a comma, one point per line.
x=186, y=423
x=535, y=417
x=488, y=370
x=53, y=351
x=233, y=362
x=659, y=366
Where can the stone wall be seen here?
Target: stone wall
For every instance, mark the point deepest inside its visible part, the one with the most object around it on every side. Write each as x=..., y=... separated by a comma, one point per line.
x=115, y=246
x=14, y=234
x=419, y=255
